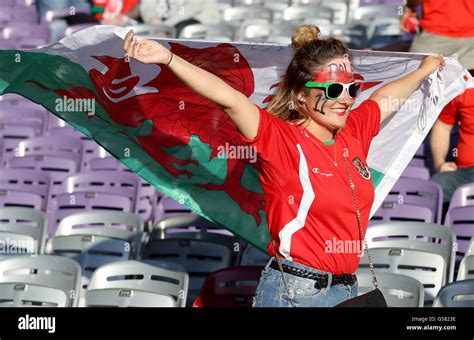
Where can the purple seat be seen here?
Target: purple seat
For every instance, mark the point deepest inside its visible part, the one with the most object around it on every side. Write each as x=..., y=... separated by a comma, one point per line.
x=13, y=198
x=464, y=195
x=29, y=43
x=147, y=195
x=66, y=204
x=60, y=13
x=10, y=135
x=461, y=221
x=414, y=191
x=57, y=168
x=57, y=146
x=32, y=115
x=416, y=172
x=112, y=182
x=8, y=44
x=23, y=180
x=25, y=30
x=90, y=150
x=168, y=207
x=390, y=211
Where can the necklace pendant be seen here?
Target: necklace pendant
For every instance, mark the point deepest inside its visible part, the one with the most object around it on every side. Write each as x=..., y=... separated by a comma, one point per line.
x=335, y=164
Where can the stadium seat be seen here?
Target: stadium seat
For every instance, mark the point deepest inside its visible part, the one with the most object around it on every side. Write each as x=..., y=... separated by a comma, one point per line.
x=432, y=238
x=390, y=211
x=229, y=288
x=461, y=221
x=398, y=290
x=111, y=182
x=255, y=30
x=418, y=192
x=57, y=146
x=10, y=135
x=22, y=231
x=95, y=238
x=25, y=180
x=219, y=32
x=67, y=204
x=375, y=11
x=136, y=284
x=25, y=30
x=18, y=114
x=147, y=194
x=416, y=172
x=168, y=207
x=324, y=15
x=429, y=268
x=252, y=256
x=462, y=196
x=466, y=268
x=39, y=281
x=199, y=253
x=57, y=168
x=190, y=222
x=236, y=15
x=456, y=294
x=14, y=198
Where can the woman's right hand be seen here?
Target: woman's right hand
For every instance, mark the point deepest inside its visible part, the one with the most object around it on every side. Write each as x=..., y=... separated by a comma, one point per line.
x=146, y=51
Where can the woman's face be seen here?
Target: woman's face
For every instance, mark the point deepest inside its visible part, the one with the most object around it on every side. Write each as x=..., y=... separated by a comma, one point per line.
x=329, y=113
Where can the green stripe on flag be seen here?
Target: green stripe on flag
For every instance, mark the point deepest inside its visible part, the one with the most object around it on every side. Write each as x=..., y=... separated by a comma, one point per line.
x=377, y=177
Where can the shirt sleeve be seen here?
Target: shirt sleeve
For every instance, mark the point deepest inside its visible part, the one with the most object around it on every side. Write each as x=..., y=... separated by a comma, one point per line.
x=364, y=123
x=449, y=115
x=268, y=143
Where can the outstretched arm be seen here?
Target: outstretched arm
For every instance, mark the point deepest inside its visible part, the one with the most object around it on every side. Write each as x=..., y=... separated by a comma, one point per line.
x=392, y=95
x=240, y=109
x=439, y=140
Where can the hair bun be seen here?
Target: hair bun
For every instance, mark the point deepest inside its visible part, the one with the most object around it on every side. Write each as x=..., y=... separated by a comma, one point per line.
x=303, y=35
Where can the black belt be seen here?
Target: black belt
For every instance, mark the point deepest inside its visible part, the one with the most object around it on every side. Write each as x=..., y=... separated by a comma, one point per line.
x=321, y=279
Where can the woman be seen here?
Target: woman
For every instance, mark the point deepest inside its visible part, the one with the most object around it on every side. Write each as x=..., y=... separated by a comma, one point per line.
x=307, y=141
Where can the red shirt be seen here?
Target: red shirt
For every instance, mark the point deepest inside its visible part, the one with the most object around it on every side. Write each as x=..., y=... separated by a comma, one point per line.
x=461, y=109
x=308, y=201
x=453, y=18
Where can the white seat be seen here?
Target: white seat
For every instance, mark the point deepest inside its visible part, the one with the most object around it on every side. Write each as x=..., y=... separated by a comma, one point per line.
x=398, y=290
x=26, y=227
x=428, y=268
x=432, y=238
x=41, y=281
x=136, y=284
x=466, y=268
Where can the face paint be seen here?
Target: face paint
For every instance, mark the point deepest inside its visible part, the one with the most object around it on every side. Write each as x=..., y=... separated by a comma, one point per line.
x=340, y=71
x=319, y=104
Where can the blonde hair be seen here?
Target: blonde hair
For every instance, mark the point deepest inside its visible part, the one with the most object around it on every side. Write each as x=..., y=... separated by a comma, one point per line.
x=311, y=55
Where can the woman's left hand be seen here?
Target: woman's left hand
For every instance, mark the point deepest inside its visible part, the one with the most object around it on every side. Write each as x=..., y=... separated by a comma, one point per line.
x=431, y=63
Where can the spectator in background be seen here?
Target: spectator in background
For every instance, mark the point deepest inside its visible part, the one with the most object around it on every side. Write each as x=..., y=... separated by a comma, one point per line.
x=448, y=28
x=59, y=26
x=451, y=175
x=179, y=13
x=117, y=12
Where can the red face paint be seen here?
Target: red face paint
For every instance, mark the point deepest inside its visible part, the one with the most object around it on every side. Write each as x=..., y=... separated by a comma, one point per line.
x=336, y=71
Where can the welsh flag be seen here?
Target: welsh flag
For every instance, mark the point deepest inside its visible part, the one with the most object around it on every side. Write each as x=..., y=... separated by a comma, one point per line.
x=185, y=145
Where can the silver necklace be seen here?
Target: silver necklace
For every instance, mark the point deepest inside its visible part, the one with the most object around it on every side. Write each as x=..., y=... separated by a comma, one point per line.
x=334, y=160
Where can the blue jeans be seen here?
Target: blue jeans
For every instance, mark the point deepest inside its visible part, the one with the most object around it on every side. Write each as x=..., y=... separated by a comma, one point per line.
x=271, y=291
x=451, y=180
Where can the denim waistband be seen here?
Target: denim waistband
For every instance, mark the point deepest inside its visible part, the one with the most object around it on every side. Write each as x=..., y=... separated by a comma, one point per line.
x=302, y=266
